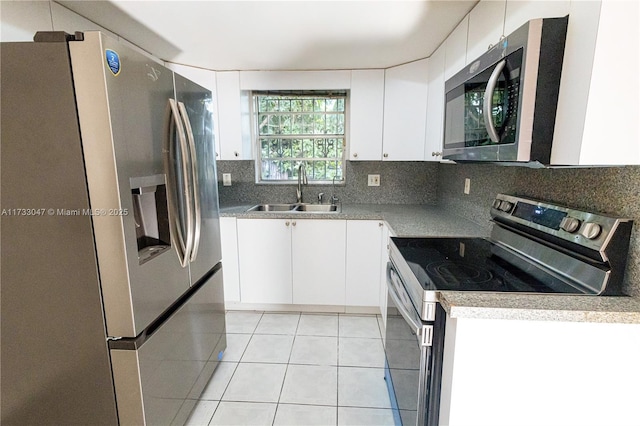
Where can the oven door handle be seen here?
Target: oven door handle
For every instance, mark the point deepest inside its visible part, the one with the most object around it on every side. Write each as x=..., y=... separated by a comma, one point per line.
x=392, y=285
x=488, y=101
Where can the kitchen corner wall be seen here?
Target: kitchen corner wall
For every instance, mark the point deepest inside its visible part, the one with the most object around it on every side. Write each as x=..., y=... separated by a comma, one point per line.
x=400, y=183
x=613, y=191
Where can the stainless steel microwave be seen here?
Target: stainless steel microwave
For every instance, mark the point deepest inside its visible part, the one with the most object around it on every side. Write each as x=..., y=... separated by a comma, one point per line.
x=502, y=106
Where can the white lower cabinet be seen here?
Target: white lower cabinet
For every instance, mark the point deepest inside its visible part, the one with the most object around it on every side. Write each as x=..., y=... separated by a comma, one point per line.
x=318, y=261
x=364, y=238
x=321, y=262
x=284, y=261
x=506, y=372
x=264, y=258
x=230, y=268
x=382, y=268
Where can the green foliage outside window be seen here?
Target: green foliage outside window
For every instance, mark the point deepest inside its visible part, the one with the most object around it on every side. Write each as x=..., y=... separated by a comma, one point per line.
x=295, y=129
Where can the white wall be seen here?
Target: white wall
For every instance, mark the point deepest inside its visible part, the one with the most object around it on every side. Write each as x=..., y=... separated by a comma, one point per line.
x=20, y=20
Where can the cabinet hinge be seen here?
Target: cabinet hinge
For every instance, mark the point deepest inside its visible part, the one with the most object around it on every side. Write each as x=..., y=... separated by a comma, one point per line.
x=427, y=335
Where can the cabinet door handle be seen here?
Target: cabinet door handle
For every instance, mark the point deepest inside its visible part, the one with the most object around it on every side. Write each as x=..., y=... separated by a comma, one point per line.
x=236, y=154
x=355, y=155
x=385, y=155
x=293, y=223
x=286, y=223
x=436, y=154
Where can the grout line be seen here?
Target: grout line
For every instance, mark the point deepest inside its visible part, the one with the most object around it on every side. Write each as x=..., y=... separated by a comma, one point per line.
x=295, y=336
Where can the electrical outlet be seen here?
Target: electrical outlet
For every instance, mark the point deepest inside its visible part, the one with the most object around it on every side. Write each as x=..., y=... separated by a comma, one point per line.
x=467, y=186
x=374, y=180
x=226, y=179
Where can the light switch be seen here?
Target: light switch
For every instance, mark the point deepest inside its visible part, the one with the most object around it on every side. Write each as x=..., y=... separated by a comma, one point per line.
x=226, y=179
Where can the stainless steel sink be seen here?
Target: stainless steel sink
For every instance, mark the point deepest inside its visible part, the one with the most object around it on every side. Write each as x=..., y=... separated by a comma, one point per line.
x=319, y=208
x=295, y=208
x=272, y=208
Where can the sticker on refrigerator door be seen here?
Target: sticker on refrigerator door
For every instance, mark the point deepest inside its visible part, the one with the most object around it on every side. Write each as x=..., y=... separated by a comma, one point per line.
x=113, y=61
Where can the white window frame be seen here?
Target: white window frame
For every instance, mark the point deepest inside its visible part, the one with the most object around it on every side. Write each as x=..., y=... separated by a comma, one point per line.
x=258, y=146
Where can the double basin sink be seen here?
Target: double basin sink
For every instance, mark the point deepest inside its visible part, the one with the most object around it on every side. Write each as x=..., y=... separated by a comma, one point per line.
x=295, y=208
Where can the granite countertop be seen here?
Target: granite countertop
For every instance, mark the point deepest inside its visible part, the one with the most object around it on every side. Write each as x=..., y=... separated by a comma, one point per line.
x=429, y=220
x=543, y=307
x=405, y=220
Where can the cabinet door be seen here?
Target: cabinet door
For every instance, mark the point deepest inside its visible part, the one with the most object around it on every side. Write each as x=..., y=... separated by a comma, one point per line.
x=230, y=115
x=230, y=270
x=264, y=251
x=405, y=111
x=318, y=261
x=366, y=115
x=456, y=49
x=435, y=107
x=597, y=120
x=382, y=268
x=519, y=12
x=364, y=240
x=486, y=25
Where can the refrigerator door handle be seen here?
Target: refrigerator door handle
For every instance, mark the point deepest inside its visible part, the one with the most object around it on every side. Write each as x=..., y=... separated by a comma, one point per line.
x=182, y=245
x=195, y=190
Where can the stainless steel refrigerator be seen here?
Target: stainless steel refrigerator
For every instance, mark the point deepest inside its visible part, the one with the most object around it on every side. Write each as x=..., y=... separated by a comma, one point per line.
x=112, y=303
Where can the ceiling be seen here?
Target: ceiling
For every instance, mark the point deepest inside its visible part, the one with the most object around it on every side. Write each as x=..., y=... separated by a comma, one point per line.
x=280, y=35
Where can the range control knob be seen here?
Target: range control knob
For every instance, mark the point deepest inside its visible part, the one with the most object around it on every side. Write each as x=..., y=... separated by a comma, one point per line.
x=591, y=230
x=496, y=203
x=570, y=224
x=506, y=206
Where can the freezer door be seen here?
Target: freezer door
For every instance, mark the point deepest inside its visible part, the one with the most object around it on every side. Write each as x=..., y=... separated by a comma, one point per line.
x=122, y=99
x=160, y=380
x=197, y=104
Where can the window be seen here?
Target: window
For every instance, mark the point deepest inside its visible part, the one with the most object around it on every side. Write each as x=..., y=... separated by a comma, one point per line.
x=300, y=128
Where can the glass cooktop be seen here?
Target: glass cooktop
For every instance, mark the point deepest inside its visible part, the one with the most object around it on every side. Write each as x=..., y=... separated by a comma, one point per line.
x=471, y=264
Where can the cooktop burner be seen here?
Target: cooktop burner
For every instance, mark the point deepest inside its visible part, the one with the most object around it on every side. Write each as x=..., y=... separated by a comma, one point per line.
x=457, y=272
x=469, y=264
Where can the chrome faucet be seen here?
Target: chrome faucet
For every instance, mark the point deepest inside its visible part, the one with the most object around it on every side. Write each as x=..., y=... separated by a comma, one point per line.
x=302, y=180
x=334, y=199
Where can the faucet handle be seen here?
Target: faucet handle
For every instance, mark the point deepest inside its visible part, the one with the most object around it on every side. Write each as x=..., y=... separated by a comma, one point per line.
x=320, y=195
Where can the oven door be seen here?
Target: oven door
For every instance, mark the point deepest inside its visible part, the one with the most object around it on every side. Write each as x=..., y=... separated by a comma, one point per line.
x=409, y=358
x=481, y=112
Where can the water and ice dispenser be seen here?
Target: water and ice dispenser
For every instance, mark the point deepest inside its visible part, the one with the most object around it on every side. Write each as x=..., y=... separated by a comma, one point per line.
x=151, y=216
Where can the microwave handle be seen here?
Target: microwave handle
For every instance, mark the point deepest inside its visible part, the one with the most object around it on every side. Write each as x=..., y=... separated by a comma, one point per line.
x=488, y=101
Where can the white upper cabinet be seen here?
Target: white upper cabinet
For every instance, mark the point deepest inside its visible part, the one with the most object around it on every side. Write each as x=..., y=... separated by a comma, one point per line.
x=206, y=79
x=233, y=144
x=597, y=116
x=405, y=111
x=519, y=12
x=456, y=49
x=366, y=102
x=486, y=26
x=435, y=106
x=295, y=80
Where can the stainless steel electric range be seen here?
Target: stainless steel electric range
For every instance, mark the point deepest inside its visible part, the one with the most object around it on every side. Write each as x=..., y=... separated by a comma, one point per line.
x=535, y=247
